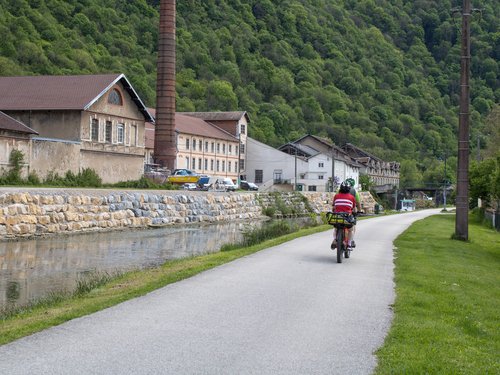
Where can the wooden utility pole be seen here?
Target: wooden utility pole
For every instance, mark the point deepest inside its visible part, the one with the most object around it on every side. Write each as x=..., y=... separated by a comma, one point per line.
x=462, y=201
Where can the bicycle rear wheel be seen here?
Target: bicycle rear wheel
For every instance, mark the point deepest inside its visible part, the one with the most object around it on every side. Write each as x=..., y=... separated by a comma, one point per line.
x=340, y=244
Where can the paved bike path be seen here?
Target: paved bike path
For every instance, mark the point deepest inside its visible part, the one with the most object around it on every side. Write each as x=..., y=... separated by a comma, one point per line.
x=290, y=309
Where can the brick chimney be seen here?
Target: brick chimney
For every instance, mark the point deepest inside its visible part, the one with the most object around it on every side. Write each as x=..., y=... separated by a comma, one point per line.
x=165, y=147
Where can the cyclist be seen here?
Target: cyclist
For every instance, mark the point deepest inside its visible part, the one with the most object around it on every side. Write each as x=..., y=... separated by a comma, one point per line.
x=343, y=201
x=355, y=194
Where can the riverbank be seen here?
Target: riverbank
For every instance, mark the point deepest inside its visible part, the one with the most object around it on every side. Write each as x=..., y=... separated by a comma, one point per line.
x=61, y=308
x=28, y=212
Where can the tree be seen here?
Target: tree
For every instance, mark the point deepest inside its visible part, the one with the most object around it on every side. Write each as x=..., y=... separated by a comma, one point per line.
x=221, y=97
x=482, y=177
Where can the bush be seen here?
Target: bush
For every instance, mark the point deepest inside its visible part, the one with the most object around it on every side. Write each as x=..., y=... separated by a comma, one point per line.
x=89, y=178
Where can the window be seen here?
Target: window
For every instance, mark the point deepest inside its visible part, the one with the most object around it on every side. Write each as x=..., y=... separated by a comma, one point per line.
x=223, y=148
x=115, y=97
x=109, y=131
x=200, y=143
x=211, y=164
x=206, y=146
x=218, y=165
x=242, y=148
x=120, y=133
x=229, y=166
x=223, y=165
x=320, y=177
x=206, y=165
x=95, y=130
x=212, y=147
x=242, y=164
x=199, y=163
x=230, y=149
x=242, y=129
x=187, y=143
x=193, y=166
x=218, y=148
x=236, y=149
x=311, y=188
x=321, y=165
x=194, y=144
x=258, y=176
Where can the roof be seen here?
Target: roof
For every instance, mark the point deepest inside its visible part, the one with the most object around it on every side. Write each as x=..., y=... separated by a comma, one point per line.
x=61, y=92
x=196, y=126
x=359, y=153
x=299, y=149
x=218, y=116
x=8, y=123
x=188, y=124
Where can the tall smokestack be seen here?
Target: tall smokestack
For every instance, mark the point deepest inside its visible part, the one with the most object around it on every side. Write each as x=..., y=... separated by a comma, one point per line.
x=165, y=148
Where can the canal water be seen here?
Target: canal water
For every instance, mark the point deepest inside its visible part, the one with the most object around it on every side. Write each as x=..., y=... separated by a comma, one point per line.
x=33, y=269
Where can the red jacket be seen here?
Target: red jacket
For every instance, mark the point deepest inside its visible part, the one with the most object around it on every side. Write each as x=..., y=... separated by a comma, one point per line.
x=343, y=202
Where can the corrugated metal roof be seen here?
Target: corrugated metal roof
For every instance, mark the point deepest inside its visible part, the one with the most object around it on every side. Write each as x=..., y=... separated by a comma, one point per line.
x=60, y=92
x=217, y=116
x=8, y=123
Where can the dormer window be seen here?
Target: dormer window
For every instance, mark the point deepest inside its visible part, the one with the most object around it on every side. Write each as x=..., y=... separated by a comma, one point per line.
x=115, y=97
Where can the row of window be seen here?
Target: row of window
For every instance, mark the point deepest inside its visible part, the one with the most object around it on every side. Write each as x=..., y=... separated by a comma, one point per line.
x=215, y=165
x=195, y=145
x=112, y=133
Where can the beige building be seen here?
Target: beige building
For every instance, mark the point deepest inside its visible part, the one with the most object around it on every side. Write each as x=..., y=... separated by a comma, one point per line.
x=87, y=121
x=234, y=123
x=383, y=174
x=209, y=143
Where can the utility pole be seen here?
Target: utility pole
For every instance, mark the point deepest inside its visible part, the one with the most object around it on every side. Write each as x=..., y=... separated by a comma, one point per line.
x=445, y=184
x=462, y=202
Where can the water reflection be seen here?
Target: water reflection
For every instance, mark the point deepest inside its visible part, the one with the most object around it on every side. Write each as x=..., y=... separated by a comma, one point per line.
x=32, y=269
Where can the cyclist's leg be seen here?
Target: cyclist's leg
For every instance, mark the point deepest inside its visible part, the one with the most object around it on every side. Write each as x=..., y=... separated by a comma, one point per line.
x=334, y=242
x=352, y=231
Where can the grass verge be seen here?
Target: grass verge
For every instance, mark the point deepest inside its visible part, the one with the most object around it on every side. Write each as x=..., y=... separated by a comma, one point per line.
x=446, y=314
x=110, y=292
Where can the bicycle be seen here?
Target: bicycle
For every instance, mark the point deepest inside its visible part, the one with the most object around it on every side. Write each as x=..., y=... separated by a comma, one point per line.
x=342, y=221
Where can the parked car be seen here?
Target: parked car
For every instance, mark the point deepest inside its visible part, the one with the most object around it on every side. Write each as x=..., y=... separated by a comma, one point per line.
x=225, y=184
x=190, y=186
x=181, y=176
x=245, y=185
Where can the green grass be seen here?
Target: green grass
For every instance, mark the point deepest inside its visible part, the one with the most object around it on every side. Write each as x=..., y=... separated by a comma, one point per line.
x=103, y=291
x=447, y=309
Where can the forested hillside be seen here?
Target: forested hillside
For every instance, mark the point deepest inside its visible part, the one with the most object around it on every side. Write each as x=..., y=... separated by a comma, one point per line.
x=381, y=74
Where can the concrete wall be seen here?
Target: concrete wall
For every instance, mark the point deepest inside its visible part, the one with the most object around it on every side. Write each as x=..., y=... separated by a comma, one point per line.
x=26, y=212
x=54, y=156
x=51, y=124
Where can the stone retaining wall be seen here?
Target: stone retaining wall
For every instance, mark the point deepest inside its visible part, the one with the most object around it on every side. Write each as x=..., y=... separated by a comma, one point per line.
x=37, y=212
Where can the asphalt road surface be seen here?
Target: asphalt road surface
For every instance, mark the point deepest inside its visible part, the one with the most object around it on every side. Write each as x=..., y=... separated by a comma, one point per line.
x=290, y=309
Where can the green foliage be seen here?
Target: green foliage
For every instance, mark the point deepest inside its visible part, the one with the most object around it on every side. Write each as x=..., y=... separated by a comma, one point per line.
x=383, y=75
x=445, y=313
x=365, y=182
x=484, y=178
x=259, y=235
x=13, y=175
x=144, y=183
